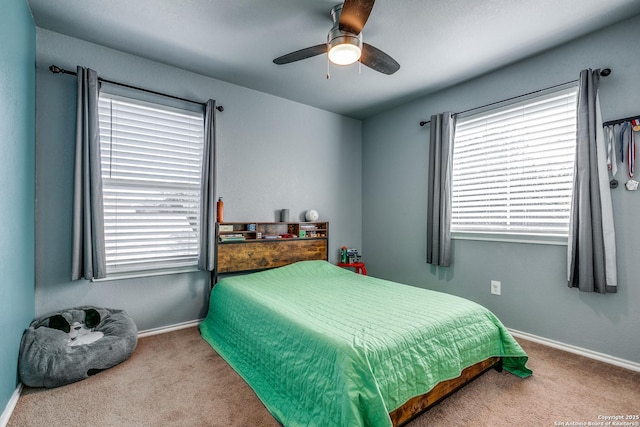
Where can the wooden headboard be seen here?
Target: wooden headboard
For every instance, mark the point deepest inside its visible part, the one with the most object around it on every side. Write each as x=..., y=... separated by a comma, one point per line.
x=252, y=246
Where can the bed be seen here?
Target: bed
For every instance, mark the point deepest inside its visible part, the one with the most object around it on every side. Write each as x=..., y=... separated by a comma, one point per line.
x=323, y=346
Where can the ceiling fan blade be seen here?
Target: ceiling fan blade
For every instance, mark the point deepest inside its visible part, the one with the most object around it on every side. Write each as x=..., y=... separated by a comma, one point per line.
x=301, y=54
x=355, y=14
x=377, y=60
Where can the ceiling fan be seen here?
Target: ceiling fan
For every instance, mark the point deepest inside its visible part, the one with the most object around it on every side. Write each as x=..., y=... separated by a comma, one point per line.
x=344, y=44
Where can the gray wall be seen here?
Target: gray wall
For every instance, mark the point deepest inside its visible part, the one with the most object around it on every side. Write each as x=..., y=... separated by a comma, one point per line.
x=535, y=298
x=273, y=154
x=17, y=186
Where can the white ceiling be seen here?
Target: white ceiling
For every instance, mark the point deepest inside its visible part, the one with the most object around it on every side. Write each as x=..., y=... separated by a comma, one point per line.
x=438, y=43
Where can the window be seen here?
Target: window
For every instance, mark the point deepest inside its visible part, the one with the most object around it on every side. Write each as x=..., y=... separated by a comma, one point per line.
x=513, y=169
x=151, y=165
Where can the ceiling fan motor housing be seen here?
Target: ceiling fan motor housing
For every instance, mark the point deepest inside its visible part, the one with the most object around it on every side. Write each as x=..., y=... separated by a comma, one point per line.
x=336, y=36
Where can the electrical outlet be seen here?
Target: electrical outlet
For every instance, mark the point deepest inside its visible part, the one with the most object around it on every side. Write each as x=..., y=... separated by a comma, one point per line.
x=495, y=287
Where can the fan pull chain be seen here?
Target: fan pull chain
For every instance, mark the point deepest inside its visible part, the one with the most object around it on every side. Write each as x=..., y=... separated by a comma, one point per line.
x=328, y=74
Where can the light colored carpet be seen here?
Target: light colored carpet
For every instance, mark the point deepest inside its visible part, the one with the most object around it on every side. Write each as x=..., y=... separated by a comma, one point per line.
x=176, y=379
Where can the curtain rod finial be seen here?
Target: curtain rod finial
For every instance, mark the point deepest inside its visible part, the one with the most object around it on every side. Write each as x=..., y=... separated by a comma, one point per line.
x=422, y=123
x=220, y=108
x=605, y=72
x=55, y=69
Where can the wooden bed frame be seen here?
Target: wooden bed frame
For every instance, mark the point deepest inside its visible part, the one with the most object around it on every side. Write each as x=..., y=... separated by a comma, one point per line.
x=419, y=404
x=271, y=254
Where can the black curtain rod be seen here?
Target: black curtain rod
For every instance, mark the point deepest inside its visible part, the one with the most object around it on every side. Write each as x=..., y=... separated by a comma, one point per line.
x=57, y=70
x=604, y=73
x=617, y=122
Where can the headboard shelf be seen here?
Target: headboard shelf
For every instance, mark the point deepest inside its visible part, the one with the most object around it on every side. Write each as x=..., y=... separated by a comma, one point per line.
x=251, y=246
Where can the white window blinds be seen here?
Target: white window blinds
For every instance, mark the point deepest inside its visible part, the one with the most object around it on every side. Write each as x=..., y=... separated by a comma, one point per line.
x=151, y=166
x=513, y=168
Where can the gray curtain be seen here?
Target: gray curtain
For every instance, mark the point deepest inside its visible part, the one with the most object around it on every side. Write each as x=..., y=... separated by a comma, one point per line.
x=439, y=189
x=88, y=249
x=591, y=247
x=208, y=191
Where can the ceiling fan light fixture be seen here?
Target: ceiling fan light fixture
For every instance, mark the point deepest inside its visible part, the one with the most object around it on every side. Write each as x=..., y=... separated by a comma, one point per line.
x=344, y=54
x=344, y=48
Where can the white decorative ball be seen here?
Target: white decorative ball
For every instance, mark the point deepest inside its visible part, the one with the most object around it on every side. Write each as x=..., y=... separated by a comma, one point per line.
x=312, y=215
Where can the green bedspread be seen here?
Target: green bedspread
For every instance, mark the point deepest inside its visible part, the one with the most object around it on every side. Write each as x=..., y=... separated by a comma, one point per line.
x=323, y=346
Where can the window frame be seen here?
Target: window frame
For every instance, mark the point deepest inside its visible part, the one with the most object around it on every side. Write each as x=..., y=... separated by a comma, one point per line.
x=514, y=236
x=160, y=103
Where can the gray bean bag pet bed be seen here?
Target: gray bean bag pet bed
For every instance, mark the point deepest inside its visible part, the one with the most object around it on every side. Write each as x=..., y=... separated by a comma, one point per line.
x=73, y=344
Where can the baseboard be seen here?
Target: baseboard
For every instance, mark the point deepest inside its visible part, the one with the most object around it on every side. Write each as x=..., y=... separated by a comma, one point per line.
x=606, y=358
x=8, y=410
x=170, y=328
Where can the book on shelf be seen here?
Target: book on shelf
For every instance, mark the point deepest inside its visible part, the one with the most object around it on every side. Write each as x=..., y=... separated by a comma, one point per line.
x=231, y=237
